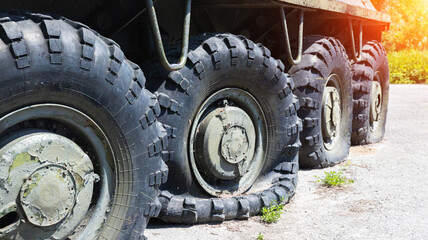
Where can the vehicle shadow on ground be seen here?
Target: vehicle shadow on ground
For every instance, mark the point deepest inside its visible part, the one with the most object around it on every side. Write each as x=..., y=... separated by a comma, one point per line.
x=156, y=223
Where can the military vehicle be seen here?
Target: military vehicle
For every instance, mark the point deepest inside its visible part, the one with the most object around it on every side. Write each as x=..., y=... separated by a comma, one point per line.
x=206, y=119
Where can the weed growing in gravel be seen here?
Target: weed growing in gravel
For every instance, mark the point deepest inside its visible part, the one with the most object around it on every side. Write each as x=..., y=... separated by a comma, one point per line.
x=346, y=164
x=334, y=178
x=260, y=236
x=273, y=213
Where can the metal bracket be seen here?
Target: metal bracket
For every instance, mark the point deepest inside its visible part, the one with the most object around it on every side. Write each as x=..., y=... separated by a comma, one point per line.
x=157, y=38
x=289, y=54
x=356, y=57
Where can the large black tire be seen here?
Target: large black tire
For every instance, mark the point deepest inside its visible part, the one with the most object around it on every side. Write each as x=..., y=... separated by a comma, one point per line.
x=371, y=69
x=322, y=58
x=52, y=61
x=218, y=62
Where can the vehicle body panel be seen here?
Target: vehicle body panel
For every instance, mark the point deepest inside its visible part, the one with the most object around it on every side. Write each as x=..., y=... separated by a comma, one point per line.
x=362, y=9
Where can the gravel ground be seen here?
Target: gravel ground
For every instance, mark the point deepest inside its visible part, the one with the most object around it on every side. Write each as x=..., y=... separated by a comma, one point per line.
x=387, y=201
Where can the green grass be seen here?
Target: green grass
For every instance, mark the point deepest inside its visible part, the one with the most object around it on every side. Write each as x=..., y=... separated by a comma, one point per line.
x=334, y=178
x=260, y=236
x=272, y=213
x=408, y=67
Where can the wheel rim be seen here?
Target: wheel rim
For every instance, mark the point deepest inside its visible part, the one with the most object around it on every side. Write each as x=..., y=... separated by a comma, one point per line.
x=227, y=142
x=59, y=166
x=331, y=114
x=376, y=100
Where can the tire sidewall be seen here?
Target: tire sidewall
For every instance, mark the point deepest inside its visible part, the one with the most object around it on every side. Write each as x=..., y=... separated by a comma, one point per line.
x=383, y=68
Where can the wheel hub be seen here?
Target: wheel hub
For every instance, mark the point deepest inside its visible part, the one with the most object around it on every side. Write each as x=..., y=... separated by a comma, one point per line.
x=375, y=101
x=332, y=112
x=226, y=138
x=48, y=195
x=227, y=142
x=49, y=177
x=234, y=144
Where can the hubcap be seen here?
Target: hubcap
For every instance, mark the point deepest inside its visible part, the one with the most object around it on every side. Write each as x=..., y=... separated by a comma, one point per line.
x=48, y=195
x=331, y=116
x=50, y=158
x=235, y=145
x=375, y=102
x=52, y=177
x=230, y=130
x=227, y=142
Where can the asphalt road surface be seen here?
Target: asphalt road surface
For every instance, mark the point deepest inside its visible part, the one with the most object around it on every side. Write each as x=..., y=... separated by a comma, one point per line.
x=389, y=199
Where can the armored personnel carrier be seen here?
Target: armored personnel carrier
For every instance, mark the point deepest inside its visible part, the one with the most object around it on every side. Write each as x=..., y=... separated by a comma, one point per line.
x=208, y=117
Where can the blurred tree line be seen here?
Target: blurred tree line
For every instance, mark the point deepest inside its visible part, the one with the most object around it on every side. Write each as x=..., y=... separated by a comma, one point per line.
x=407, y=40
x=409, y=24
